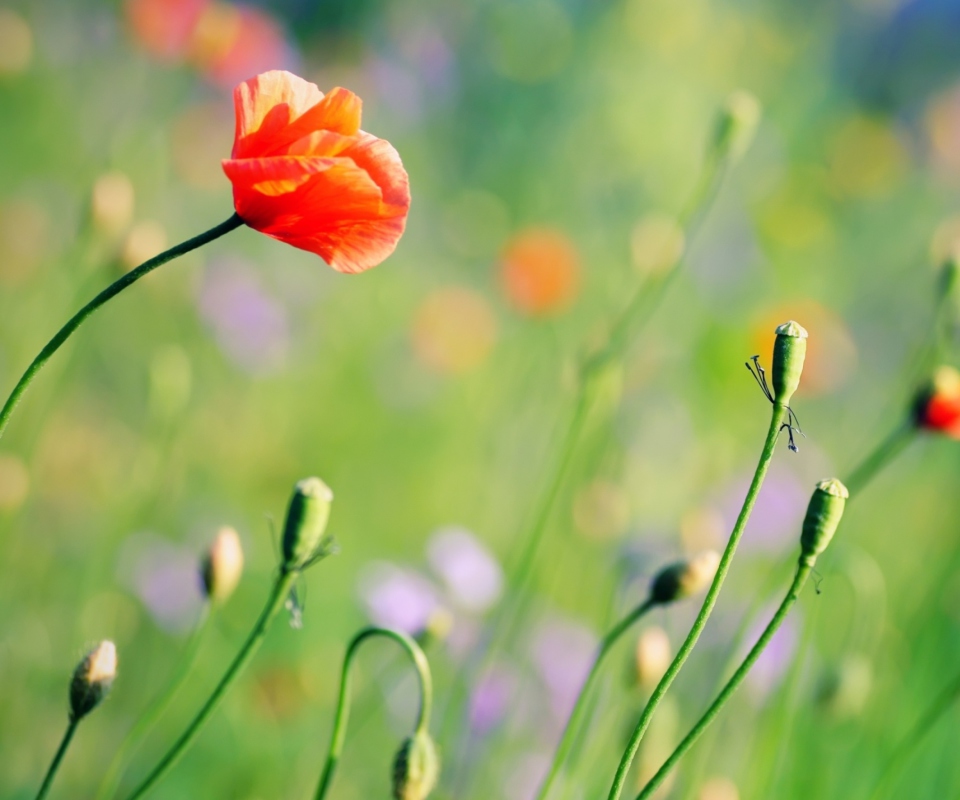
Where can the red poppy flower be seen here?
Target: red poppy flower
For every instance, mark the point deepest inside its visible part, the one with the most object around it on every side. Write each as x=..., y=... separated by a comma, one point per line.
x=938, y=406
x=304, y=173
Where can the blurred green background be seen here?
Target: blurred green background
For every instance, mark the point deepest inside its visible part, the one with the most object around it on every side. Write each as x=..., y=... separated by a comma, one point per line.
x=550, y=145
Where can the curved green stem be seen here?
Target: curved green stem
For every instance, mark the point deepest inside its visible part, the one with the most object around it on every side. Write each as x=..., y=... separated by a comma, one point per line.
x=339, y=735
x=278, y=595
x=153, y=712
x=55, y=764
x=107, y=294
x=882, y=455
x=800, y=578
x=574, y=722
x=777, y=418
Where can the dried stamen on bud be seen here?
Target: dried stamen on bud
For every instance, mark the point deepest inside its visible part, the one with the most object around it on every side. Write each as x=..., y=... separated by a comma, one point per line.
x=685, y=578
x=736, y=125
x=306, y=522
x=222, y=566
x=789, y=351
x=823, y=516
x=937, y=406
x=416, y=768
x=92, y=679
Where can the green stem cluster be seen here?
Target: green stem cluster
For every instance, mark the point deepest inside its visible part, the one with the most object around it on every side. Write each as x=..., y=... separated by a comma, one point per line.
x=777, y=418
x=339, y=735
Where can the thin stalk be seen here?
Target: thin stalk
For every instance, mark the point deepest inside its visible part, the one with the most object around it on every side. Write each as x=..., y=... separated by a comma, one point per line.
x=61, y=751
x=883, y=454
x=940, y=706
x=777, y=418
x=579, y=708
x=107, y=294
x=804, y=567
x=148, y=719
x=278, y=595
x=339, y=735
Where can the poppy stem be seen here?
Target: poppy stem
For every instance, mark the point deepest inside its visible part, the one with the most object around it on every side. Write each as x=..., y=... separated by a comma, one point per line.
x=339, y=734
x=153, y=712
x=777, y=417
x=804, y=568
x=278, y=596
x=882, y=455
x=61, y=751
x=574, y=722
x=107, y=294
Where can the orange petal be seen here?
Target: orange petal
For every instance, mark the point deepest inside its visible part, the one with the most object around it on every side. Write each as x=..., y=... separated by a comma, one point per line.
x=338, y=112
x=266, y=105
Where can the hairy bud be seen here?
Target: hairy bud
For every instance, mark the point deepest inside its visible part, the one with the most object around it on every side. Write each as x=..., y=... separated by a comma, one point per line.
x=222, y=566
x=823, y=516
x=306, y=522
x=92, y=679
x=416, y=768
x=685, y=578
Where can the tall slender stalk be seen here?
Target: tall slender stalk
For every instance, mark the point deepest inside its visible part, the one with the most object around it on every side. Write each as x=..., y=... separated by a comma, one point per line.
x=800, y=578
x=148, y=719
x=339, y=735
x=883, y=454
x=777, y=418
x=278, y=595
x=107, y=294
x=61, y=751
x=576, y=716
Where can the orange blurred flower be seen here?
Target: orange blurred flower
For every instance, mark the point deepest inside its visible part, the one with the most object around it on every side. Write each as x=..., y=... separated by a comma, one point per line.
x=938, y=406
x=540, y=271
x=164, y=28
x=304, y=173
x=454, y=329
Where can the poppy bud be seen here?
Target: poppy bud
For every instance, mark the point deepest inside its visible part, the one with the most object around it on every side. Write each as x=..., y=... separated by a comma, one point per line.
x=937, y=407
x=222, y=565
x=92, y=679
x=306, y=521
x=736, y=125
x=789, y=350
x=416, y=768
x=823, y=516
x=685, y=578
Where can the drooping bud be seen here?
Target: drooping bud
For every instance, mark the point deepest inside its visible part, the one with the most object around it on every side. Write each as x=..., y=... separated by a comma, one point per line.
x=222, y=566
x=416, y=768
x=937, y=406
x=736, y=125
x=685, y=578
x=789, y=351
x=823, y=515
x=306, y=522
x=92, y=679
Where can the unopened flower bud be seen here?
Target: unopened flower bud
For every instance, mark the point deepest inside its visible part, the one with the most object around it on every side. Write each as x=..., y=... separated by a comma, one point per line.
x=937, y=406
x=685, y=578
x=306, y=522
x=823, y=515
x=222, y=566
x=789, y=351
x=92, y=679
x=736, y=125
x=416, y=768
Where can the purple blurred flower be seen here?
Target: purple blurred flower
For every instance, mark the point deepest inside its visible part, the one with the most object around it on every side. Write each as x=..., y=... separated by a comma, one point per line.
x=775, y=522
x=491, y=698
x=562, y=653
x=396, y=597
x=427, y=51
x=250, y=325
x=773, y=663
x=470, y=572
x=165, y=577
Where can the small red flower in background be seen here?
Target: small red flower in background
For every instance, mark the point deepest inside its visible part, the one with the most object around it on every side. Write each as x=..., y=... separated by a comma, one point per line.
x=938, y=405
x=540, y=271
x=304, y=173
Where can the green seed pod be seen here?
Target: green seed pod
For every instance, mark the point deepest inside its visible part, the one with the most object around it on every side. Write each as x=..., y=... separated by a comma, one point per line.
x=92, y=679
x=736, y=125
x=685, y=578
x=416, y=768
x=823, y=516
x=789, y=350
x=306, y=522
